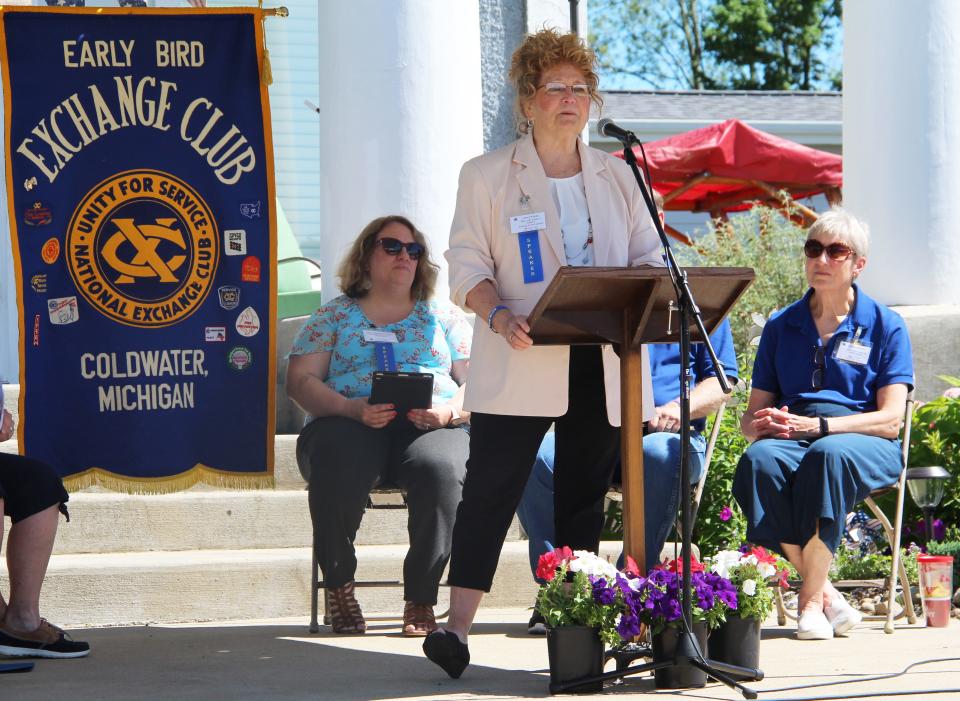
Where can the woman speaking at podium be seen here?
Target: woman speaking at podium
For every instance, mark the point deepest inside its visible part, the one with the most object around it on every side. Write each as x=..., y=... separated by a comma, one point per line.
x=524, y=211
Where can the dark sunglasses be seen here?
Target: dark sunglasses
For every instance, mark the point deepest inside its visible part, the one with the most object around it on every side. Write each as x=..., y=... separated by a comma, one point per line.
x=835, y=251
x=819, y=360
x=392, y=247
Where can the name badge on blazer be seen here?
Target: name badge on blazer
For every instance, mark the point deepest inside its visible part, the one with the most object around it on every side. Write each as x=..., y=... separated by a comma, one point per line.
x=527, y=228
x=528, y=222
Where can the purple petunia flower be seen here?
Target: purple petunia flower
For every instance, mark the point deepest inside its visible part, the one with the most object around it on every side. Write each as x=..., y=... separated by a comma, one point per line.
x=726, y=513
x=603, y=594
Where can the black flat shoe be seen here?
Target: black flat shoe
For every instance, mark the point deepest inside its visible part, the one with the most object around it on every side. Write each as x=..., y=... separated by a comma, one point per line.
x=444, y=649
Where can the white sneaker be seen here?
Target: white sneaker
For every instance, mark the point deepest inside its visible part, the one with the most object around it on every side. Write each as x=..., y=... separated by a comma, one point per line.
x=813, y=625
x=842, y=616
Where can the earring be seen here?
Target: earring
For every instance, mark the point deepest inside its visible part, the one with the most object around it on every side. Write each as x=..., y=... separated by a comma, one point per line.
x=529, y=124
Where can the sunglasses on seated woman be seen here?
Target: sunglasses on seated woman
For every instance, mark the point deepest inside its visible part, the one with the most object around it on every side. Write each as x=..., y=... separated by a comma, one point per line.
x=835, y=251
x=392, y=247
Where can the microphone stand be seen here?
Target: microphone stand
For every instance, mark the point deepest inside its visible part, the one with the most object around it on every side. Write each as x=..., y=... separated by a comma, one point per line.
x=688, y=652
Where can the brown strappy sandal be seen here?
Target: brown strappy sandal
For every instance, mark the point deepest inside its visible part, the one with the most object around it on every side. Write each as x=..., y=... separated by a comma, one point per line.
x=418, y=620
x=346, y=617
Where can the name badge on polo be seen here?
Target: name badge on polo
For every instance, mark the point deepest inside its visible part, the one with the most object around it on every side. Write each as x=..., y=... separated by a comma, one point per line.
x=855, y=353
x=527, y=227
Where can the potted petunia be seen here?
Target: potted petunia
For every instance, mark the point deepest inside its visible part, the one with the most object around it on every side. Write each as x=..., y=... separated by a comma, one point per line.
x=659, y=594
x=582, y=600
x=751, y=570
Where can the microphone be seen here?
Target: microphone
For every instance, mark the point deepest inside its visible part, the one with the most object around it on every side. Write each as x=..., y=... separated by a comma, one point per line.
x=606, y=127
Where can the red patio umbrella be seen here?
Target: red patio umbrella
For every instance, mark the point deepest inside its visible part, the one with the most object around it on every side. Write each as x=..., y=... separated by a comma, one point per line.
x=730, y=166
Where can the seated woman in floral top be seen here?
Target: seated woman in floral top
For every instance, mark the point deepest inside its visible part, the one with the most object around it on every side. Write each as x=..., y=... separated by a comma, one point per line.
x=384, y=321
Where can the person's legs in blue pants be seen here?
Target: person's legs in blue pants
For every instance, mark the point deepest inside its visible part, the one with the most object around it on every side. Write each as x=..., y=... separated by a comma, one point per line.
x=661, y=469
x=536, y=506
x=661, y=481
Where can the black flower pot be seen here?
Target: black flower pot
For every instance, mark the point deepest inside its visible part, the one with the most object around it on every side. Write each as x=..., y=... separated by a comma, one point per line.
x=737, y=642
x=664, y=647
x=575, y=652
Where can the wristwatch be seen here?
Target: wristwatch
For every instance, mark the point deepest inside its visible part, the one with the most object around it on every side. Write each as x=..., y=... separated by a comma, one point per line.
x=824, y=428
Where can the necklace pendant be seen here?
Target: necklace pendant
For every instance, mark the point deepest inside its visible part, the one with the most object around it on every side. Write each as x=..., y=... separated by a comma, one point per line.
x=525, y=201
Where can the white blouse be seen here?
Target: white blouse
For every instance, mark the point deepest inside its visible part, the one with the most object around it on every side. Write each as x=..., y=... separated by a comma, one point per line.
x=571, y=199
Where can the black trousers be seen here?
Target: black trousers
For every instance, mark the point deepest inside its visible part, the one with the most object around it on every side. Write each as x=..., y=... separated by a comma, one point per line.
x=343, y=460
x=502, y=452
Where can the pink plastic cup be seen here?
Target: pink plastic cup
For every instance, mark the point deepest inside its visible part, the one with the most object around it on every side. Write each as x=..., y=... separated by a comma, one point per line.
x=936, y=588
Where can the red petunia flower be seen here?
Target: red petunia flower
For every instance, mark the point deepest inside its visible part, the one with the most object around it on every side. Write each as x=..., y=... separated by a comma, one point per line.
x=763, y=555
x=551, y=560
x=677, y=565
x=631, y=567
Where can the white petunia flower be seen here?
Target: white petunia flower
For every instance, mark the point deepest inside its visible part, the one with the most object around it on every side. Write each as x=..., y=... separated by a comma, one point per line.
x=593, y=565
x=766, y=570
x=723, y=561
x=750, y=587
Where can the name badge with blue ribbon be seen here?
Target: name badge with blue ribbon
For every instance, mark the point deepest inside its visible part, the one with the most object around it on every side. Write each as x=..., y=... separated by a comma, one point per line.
x=382, y=348
x=527, y=227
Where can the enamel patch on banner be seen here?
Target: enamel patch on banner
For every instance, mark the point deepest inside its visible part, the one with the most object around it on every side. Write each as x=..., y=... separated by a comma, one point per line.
x=142, y=247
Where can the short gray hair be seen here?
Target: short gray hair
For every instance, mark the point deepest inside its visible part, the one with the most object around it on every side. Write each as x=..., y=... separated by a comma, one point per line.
x=846, y=227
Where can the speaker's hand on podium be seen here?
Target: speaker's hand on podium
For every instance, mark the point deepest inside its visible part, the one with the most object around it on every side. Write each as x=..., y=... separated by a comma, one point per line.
x=514, y=329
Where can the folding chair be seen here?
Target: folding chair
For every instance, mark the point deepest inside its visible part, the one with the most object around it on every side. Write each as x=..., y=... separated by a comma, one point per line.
x=893, y=537
x=384, y=496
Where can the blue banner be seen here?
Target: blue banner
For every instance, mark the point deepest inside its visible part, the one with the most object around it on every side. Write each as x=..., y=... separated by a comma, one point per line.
x=140, y=180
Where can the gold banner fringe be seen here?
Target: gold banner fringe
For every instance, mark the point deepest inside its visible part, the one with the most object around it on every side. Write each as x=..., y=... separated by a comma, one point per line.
x=96, y=477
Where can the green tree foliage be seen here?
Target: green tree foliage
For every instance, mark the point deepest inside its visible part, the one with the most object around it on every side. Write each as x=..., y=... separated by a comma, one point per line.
x=717, y=44
x=661, y=43
x=762, y=239
x=771, y=44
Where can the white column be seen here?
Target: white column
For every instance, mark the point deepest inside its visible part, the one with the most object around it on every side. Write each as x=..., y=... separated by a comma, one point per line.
x=400, y=111
x=901, y=144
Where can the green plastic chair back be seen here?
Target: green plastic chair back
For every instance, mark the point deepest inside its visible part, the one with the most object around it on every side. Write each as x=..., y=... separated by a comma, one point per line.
x=295, y=293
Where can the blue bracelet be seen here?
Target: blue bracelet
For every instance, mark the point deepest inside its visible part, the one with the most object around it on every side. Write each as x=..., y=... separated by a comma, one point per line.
x=493, y=313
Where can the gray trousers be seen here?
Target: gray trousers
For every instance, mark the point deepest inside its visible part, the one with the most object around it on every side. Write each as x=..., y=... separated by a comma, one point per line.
x=343, y=460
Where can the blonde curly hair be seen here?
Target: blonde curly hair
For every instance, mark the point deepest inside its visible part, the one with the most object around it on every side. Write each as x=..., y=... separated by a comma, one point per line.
x=354, y=274
x=543, y=50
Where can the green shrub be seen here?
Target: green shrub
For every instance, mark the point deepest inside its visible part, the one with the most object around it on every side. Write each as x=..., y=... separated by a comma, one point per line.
x=850, y=563
x=720, y=524
x=935, y=440
x=948, y=547
x=762, y=239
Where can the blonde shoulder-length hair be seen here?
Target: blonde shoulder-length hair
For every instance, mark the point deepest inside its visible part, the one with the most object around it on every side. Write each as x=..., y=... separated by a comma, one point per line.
x=354, y=273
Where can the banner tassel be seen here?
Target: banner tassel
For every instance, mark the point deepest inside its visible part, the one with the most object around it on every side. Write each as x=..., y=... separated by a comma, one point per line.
x=266, y=72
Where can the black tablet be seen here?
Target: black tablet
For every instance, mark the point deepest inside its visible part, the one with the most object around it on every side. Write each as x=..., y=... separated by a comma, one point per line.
x=405, y=390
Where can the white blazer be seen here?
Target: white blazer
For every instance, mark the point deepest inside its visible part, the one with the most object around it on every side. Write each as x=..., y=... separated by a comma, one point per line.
x=533, y=382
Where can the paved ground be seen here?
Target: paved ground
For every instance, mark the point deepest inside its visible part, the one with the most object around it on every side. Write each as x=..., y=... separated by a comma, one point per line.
x=280, y=660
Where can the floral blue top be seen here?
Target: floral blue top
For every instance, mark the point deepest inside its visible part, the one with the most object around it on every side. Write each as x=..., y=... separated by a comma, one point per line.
x=431, y=339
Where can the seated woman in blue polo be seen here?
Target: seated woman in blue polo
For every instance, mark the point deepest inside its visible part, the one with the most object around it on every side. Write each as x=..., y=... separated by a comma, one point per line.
x=830, y=384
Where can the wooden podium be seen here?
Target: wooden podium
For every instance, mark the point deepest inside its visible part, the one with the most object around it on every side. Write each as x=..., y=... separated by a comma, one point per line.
x=629, y=307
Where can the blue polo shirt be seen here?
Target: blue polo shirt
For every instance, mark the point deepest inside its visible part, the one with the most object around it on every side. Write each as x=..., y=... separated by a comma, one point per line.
x=786, y=358
x=665, y=365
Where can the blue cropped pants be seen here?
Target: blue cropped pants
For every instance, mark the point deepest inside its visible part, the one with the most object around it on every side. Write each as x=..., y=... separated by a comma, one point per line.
x=787, y=488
